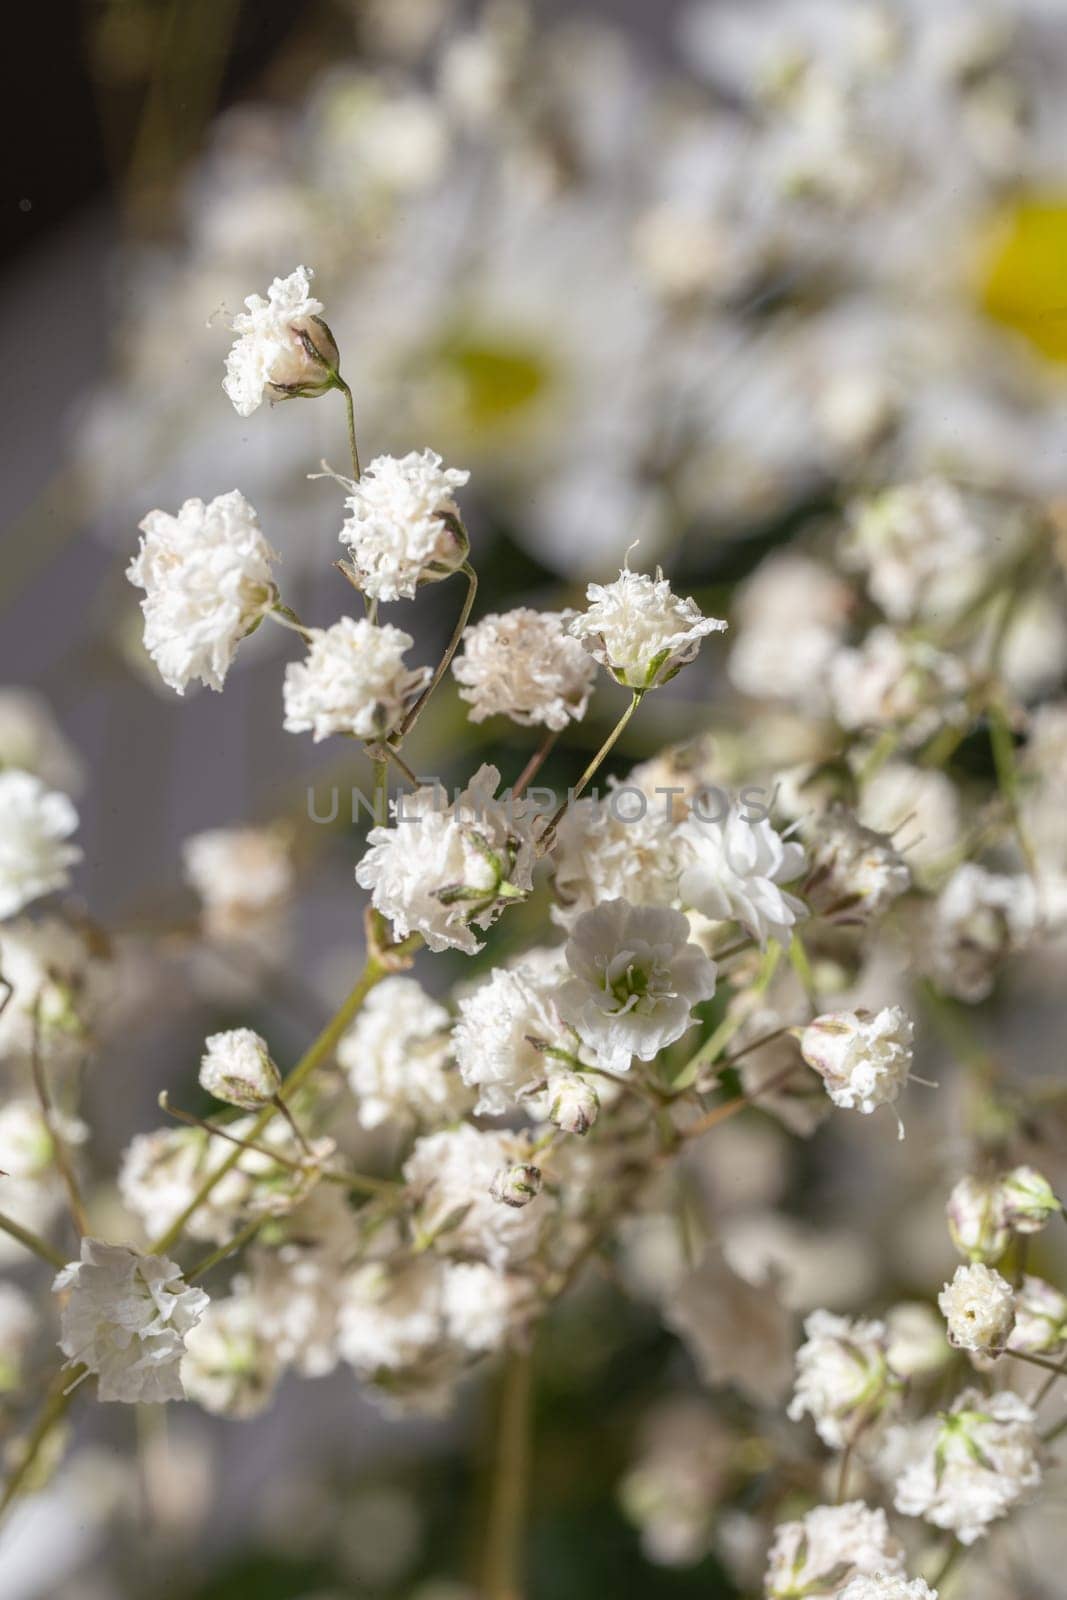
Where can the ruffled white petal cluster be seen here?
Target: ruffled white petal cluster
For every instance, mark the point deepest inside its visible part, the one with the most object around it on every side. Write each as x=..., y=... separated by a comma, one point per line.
x=919, y=546
x=353, y=681
x=229, y=1367
x=640, y=629
x=125, y=1318
x=843, y=1376
x=526, y=666
x=979, y=1461
x=272, y=356
x=505, y=1027
x=441, y=867
x=206, y=574
x=732, y=871
x=398, y=1058
x=240, y=874
x=635, y=980
x=236, y=1067
x=864, y=1059
x=885, y=1586
x=450, y=1175
x=403, y=526
x=35, y=824
x=855, y=873
x=979, y=1309
x=612, y=850
x=832, y=1544
x=889, y=682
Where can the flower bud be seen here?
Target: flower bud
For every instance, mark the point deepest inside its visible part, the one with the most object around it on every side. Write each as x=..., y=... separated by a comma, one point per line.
x=516, y=1185
x=237, y=1069
x=1026, y=1199
x=1040, y=1319
x=574, y=1103
x=976, y=1220
x=979, y=1308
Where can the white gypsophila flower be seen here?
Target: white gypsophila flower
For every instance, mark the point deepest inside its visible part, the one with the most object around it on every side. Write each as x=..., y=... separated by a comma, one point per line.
x=889, y=682
x=505, y=1027
x=816, y=1556
x=241, y=875
x=640, y=629
x=886, y=1586
x=1026, y=1200
x=980, y=918
x=283, y=349
x=635, y=980
x=618, y=848
x=1040, y=1319
x=297, y=1285
x=59, y=979
x=863, y=1058
x=229, y=1367
x=353, y=681
x=976, y=1221
x=392, y=1331
x=450, y=1175
x=524, y=665
x=920, y=548
x=843, y=1377
x=35, y=824
x=398, y=1058
x=917, y=1347
x=32, y=740
x=979, y=1309
x=854, y=873
x=982, y=1459
x=441, y=867
x=734, y=1325
x=206, y=574
x=403, y=526
x=27, y=1148
x=482, y=1307
x=236, y=1067
x=917, y=807
x=732, y=870
x=788, y=595
x=18, y=1324
x=161, y=1171
x=125, y=1318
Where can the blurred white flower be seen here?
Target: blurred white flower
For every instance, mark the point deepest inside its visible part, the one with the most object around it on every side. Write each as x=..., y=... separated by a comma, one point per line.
x=35, y=823
x=524, y=665
x=229, y=1366
x=32, y=740
x=241, y=875
x=450, y=1175
x=207, y=579
x=1040, y=1319
x=844, y=1381
x=816, y=1556
x=886, y=1587
x=399, y=1058
x=125, y=1318
x=353, y=681
x=920, y=547
x=403, y=526
x=979, y=1460
x=980, y=918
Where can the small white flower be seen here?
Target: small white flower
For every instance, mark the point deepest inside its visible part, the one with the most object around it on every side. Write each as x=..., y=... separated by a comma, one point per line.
x=517, y=1185
x=125, y=1318
x=636, y=978
x=229, y=1367
x=240, y=874
x=451, y=1176
x=919, y=547
x=843, y=1377
x=482, y=1308
x=505, y=1027
x=855, y=874
x=981, y=1459
x=403, y=526
x=979, y=1309
x=640, y=629
x=980, y=919
x=573, y=1103
x=58, y=973
x=524, y=665
x=398, y=1058
x=353, y=681
x=284, y=349
x=1040, y=1319
x=815, y=1557
x=917, y=1345
x=32, y=740
x=917, y=807
x=618, y=848
x=976, y=1221
x=863, y=1058
x=207, y=579
x=732, y=871
x=884, y=1586
x=27, y=1148
x=35, y=823
x=392, y=1330
x=1026, y=1199
x=888, y=682
x=236, y=1067
x=442, y=867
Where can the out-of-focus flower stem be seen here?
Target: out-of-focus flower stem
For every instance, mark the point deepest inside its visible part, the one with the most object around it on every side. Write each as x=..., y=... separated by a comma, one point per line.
x=545, y=841
x=502, y=1563
x=32, y=1241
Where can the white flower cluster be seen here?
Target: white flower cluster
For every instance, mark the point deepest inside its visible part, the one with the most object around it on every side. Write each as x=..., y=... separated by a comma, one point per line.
x=35, y=824
x=354, y=681
x=640, y=629
x=283, y=350
x=526, y=666
x=403, y=526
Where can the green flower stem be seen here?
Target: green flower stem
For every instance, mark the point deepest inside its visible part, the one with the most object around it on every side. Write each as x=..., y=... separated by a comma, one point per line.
x=716, y=1043
x=443, y=665
x=545, y=841
x=376, y=968
x=350, y=415
x=55, y=1407
x=32, y=1241
x=503, y=1558
x=60, y=1154
x=241, y=1237
x=1008, y=780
